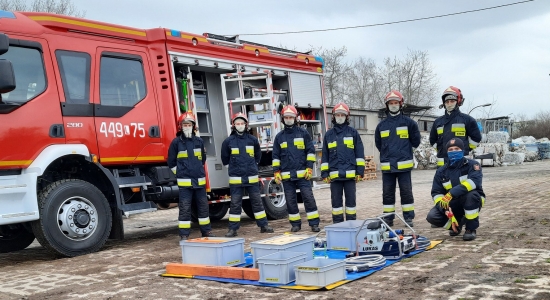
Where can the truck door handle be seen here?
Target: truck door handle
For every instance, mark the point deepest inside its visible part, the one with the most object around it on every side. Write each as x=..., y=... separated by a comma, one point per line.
x=57, y=131
x=154, y=131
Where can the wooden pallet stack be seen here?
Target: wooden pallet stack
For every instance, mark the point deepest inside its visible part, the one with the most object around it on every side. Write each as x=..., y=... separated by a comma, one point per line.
x=370, y=168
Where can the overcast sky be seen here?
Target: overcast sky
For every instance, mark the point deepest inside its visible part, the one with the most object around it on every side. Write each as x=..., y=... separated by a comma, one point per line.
x=502, y=53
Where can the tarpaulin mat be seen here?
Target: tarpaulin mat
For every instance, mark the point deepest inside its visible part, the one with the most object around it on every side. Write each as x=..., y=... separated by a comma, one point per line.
x=320, y=253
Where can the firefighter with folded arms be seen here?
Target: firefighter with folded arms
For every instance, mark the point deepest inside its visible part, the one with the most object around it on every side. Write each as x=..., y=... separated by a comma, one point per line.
x=453, y=124
x=186, y=158
x=457, y=193
x=395, y=137
x=241, y=153
x=293, y=157
x=342, y=163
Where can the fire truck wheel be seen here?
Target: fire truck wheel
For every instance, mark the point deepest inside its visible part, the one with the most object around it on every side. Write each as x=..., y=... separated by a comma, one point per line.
x=218, y=210
x=15, y=237
x=247, y=208
x=75, y=218
x=274, y=201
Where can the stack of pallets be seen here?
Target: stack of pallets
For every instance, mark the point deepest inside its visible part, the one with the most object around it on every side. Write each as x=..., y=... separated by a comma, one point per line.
x=370, y=168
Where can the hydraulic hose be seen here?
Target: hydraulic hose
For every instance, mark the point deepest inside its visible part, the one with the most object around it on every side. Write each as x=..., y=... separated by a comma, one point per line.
x=363, y=263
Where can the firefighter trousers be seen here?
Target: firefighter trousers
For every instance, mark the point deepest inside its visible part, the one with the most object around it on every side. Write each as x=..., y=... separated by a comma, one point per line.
x=304, y=186
x=237, y=201
x=347, y=187
x=467, y=206
x=187, y=196
x=405, y=192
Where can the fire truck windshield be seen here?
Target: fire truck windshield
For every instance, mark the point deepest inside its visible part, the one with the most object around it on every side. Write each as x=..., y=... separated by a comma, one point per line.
x=30, y=76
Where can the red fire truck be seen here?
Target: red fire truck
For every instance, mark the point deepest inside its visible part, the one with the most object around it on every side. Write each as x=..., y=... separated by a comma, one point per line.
x=88, y=110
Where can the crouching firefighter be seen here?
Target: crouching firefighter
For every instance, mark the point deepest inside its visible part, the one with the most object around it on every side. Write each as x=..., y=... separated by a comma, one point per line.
x=457, y=193
x=342, y=163
x=293, y=158
x=186, y=157
x=241, y=151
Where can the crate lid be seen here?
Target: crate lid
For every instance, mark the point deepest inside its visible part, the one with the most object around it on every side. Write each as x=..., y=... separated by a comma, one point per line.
x=352, y=224
x=283, y=240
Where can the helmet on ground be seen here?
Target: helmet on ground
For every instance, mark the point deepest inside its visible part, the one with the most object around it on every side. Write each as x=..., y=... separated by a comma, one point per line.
x=453, y=93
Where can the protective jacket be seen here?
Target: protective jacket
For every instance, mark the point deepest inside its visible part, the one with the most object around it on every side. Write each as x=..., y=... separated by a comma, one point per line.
x=293, y=152
x=186, y=158
x=395, y=136
x=242, y=153
x=343, y=154
x=454, y=125
x=465, y=176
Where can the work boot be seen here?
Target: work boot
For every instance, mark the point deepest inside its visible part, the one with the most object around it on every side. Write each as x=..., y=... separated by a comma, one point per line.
x=231, y=233
x=266, y=229
x=208, y=234
x=184, y=237
x=409, y=222
x=295, y=229
x=469, y=235
x=315, y=228
x=452, y=233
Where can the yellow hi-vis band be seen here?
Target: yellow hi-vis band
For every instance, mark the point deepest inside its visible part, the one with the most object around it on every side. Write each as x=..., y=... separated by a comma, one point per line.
x=440, y=162
x=276, y=163
x=301, y=173
x=405, y=164
x=360, y=162
x=333, y=174
x=389, y=208
x=447, y=185
x=471, y=214
x=469, y=184
x=440, y=130
x=403, y=132
x=337, y=211
x=250, y=150
x=312, y=215
x=182, y=154
x=332, y=145
x=184, y=182
x=235, y=151
x=260, y=215
x=437, y=198
x=285, y=175
x=385, y=166
x=184, y=224
x=385, y=133
x=350, y=174
x=407, y=207
x=253, y=179
x=204, y=221
x=202, y=181
x=311, y=157
x=294, y=217
x=235, y=180
x=174, y=169
x=351, y=211
x=473, y=144
x=458, y=127
x=348, y=141
x=284, y=145
x=324, y=167
x=234, y=218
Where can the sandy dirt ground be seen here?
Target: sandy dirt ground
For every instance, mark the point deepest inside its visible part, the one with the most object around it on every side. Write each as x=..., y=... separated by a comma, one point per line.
x=510, y=259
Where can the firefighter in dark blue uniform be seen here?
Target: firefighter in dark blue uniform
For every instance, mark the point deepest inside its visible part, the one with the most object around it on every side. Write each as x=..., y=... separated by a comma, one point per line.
x=293, y=158
x=454, y=124
x=395, y=138
x=457, y=193
x=241, y=152
x=186, y=158
x=342, y=163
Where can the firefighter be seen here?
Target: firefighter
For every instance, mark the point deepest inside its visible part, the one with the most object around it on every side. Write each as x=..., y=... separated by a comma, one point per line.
x=343, y=163
x=453, y=124
x=457, y=193
x=293, y=158
x=186, y=157
x=395, y=138
x=241, y=151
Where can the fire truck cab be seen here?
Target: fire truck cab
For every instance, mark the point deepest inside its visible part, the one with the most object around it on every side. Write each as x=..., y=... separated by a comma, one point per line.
x=88, y=111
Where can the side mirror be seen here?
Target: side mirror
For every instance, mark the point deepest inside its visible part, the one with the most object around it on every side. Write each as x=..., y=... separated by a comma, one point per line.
x=7, y=77
x=4, y=43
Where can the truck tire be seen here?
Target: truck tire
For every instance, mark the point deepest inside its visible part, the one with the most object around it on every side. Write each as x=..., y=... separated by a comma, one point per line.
x=14, y=238
x=216, y=211
x=75, y=218
x=274, y=205
x=247, y=208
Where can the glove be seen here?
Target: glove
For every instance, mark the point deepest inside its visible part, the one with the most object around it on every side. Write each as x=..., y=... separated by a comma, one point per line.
x=358, y=178
x=278, y=177
x=444, y=203
x=326, y=180
x=309, y=173
x=454, y=222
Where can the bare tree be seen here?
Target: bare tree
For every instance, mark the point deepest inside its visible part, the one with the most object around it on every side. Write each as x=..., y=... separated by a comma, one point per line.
x=61, y=7
x=413, y=76
x=335, y=72
x=490, y=111
x=363, y=84
x=538, y=127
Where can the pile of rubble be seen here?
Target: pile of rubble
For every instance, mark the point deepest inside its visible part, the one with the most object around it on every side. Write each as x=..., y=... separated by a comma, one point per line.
x=425, y=156
x=526, y=145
